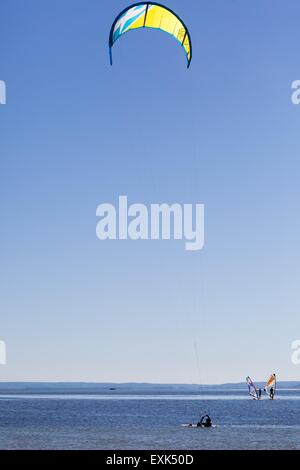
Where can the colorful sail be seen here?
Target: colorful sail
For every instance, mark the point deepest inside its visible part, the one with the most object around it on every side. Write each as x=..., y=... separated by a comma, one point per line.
x=253, y=392
x=151, y=15
x=270, y=387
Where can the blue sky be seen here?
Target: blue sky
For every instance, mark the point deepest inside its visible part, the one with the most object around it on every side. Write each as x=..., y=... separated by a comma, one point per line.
x=76, y=132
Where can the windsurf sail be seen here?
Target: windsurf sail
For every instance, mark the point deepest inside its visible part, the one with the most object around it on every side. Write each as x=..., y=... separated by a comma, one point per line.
x=253, y=392
x=270, y=387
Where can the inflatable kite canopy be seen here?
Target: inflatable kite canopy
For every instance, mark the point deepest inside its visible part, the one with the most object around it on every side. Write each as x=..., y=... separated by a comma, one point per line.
x=151, y=15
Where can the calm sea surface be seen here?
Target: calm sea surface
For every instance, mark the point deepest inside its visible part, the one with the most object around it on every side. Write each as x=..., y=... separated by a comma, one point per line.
x=137, y=421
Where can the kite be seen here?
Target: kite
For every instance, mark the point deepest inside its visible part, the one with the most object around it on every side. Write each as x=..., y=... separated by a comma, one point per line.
x=151, y=15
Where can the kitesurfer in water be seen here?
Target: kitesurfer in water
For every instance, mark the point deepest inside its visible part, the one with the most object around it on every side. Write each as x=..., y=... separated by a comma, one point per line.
x=205, y=422
x=259, y=393
x=271, y=393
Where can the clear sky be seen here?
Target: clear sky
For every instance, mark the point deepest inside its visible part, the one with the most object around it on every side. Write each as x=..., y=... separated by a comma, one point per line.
x=76, y=132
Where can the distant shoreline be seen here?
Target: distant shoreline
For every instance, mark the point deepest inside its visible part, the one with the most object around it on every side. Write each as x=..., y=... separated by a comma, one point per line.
x=90, y=387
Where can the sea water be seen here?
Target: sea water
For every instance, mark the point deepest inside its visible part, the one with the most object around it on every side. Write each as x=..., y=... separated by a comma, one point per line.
x=120, y=421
